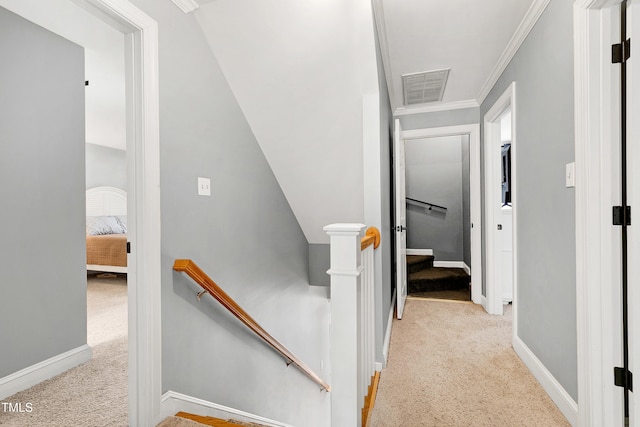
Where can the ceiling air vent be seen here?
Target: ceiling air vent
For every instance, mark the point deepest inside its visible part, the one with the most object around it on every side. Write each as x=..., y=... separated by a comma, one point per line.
x=424, y=87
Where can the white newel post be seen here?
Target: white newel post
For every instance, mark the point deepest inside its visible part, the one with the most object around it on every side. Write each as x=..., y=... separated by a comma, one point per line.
x=346, y=275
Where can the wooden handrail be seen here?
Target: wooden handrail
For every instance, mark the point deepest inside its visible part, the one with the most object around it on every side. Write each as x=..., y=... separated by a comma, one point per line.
x=192, y=270
x=371, y=237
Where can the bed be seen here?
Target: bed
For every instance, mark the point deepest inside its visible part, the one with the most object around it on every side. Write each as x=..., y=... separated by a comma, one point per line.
x=106, y=229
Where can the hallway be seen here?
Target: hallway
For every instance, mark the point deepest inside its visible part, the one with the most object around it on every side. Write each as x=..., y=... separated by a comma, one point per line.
x=451, y=364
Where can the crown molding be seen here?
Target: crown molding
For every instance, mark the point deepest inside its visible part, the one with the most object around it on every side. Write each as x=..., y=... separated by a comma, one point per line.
x=186, y=6
x=425, y=108
x=523, y=30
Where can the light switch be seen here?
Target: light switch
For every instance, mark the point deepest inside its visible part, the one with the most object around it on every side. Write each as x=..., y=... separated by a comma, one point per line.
x=570, y=176
x=204, y=186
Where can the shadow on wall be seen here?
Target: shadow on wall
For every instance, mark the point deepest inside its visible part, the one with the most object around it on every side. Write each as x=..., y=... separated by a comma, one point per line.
x=434, y=213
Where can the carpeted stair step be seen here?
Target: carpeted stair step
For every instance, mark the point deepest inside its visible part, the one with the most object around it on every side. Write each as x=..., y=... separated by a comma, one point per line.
x=416, y=263
x=214, y=422
x=437, y=279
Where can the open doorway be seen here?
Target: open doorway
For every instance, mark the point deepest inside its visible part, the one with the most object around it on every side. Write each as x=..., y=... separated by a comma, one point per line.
x=142, y=117
x=106, y=201
x=462, y=134
x=438, y=217
x=500, y=204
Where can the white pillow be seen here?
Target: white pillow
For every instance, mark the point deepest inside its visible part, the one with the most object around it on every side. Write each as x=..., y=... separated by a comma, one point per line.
x=99, y=225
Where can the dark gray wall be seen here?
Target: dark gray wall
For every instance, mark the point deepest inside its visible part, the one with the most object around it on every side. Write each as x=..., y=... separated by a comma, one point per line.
x=466, y=200
x=245, y=236
x=434, y=175
x=319, y=262
x=436, y=119
x=106, y=166
x=42, y=256
x=543, y=72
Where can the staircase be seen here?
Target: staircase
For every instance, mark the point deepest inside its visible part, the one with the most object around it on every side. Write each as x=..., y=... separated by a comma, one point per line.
x=215, y=422
x=424, y=277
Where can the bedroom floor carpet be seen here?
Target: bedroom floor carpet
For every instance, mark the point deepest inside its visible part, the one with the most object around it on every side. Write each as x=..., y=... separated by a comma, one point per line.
x=451, y=364
x=93, y=394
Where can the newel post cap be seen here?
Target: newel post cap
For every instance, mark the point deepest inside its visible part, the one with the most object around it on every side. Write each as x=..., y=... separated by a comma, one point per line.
x=344, y=228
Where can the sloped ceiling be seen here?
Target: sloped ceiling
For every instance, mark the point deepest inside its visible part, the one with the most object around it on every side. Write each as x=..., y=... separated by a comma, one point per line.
x=298, y=71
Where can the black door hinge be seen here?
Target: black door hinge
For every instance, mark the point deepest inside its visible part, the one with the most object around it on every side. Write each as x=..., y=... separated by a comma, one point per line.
x=622, y=380
x=621, y=216
x=128, y=247
x=620, y=52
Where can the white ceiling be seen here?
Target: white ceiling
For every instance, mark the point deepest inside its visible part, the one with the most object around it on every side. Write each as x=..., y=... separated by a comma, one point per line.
x=475, y=39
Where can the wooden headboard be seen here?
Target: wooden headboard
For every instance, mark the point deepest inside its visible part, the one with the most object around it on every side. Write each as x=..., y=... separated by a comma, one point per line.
x=106, y=201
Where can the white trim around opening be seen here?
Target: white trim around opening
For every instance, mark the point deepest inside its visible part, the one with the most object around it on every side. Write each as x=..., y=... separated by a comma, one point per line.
x=473, y=130
x=143, y=172
x=492, y=202
x=594, y=26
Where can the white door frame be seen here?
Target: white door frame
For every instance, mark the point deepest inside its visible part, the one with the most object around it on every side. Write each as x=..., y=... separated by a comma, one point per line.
x=143, y=172
x=143, y=188
x=492, y=199
x=400, y=229
x=599, y=401
x=473, y=130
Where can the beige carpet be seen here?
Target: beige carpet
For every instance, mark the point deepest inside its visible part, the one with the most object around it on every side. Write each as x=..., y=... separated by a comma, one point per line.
x=178, y=422
x=95, y=393
x=452, y=365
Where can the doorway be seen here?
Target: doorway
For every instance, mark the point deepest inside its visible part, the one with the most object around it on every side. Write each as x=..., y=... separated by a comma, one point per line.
x=500, y=204
x=472, y=132
x=143, y=170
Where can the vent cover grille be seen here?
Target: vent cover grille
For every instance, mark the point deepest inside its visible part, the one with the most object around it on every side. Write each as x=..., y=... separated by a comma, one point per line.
x=424, y=87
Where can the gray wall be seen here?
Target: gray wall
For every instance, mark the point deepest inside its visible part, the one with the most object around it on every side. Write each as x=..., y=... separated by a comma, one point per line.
x=543, y=72
x=384, y=294
x=245, y=237
x=42, y=258
x=319, y=262
x=106, y=166
x=466, y=200
x=434, y=175
x=436, y=119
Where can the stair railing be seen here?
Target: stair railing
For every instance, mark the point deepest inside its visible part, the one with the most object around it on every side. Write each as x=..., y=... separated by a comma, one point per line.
x=192, y=270
x=352, y=274
x=426, y=205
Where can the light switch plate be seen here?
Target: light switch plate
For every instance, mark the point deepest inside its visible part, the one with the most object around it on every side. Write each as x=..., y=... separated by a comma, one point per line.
x=204, y=186
x=570, y=175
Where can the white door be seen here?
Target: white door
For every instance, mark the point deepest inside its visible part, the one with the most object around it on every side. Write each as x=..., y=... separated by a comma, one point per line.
x=401, y=219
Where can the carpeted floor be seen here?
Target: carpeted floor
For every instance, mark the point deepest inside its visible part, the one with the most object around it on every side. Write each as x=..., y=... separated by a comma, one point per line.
x=178, y=422
x=95, y=393
x=452, y=365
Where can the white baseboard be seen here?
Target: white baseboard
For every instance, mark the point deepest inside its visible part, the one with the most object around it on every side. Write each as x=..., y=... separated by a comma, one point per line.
x=558, y=394
x=35, y=374
x=173, y=402
x=387, y=336
x=483, y=302
x=419, y=251
x=466, y=268
x=452, y=264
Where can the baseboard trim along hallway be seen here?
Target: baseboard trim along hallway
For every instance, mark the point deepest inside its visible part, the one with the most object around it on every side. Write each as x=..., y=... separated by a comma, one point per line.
x=35, y=374
x=558, y=394
x=387, y=336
